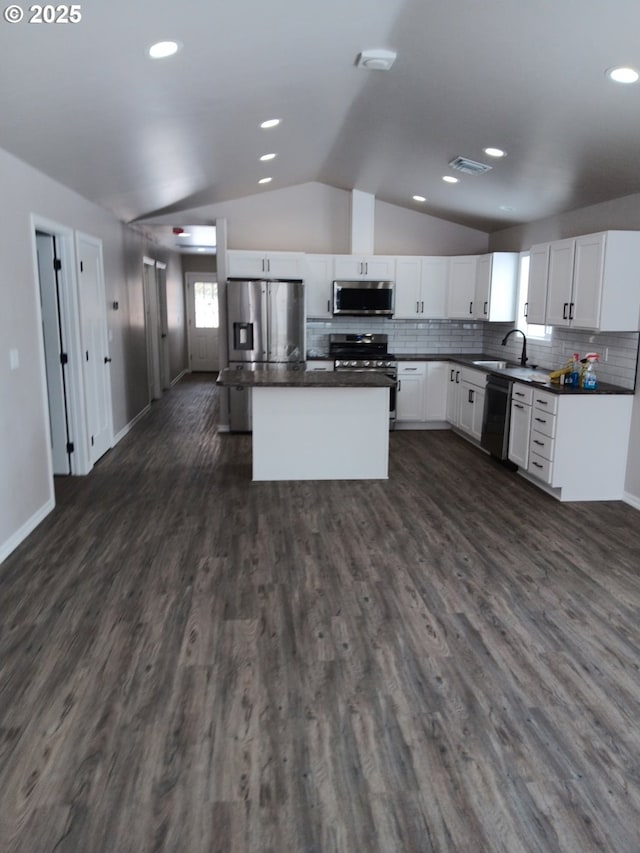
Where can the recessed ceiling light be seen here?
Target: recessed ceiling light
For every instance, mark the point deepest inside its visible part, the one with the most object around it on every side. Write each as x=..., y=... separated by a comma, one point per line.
x=623, y=75
x=265, y=180
x=418, y=198
x=266, y=157
x=162, y=49
x=271, y=122
x=450, y=179
x=495, y=152
x=507, y=208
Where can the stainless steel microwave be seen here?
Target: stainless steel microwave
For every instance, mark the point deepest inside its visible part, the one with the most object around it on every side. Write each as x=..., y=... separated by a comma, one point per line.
x=363, y=298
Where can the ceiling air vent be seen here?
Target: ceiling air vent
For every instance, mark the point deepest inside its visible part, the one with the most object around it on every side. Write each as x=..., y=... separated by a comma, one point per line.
x=469, y=167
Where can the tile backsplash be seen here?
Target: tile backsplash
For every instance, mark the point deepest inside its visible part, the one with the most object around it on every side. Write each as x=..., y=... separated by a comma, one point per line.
x=619, y=350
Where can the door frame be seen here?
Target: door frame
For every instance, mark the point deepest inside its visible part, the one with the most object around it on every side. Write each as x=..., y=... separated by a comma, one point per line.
x=163, y=326
x=190, y=279
x=80, y=462
x=151, y=326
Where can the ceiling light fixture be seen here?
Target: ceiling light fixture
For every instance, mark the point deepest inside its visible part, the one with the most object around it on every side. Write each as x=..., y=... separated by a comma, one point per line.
x=266, y=157
x=271, y=122
x=162, y=49
x=265, y=180
x=450, y=179
x=623, y=74
x=419, y=198
x=494, y=152
x=376, y=60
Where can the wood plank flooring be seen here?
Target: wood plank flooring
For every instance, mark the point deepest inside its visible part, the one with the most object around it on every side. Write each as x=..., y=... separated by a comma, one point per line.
x=191, y=662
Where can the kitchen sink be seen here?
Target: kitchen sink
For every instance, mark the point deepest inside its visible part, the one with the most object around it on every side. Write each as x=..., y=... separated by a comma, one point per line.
x=496, y=364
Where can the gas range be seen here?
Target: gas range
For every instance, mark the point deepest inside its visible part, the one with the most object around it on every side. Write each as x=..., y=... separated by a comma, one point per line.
x=362, y=352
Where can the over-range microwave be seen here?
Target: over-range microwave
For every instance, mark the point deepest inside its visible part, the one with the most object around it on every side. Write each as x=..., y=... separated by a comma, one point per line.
x=363, y=298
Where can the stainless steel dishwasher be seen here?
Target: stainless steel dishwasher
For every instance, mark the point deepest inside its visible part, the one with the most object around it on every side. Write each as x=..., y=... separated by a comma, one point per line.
x=495, y=419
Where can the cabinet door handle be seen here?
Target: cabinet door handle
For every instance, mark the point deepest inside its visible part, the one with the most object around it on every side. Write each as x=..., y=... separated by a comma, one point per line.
x=457, y=377
x=399, y=384
x=328, y=306
x=407, y=369
x=451, y=376
x=540, y=420
x=422, y=307
x=518, y=405
x=571, y=304
x=564, y=311
x=484, y=310
x=470, y=395
x=526, y=309
x=417, y=307
x=471, y=307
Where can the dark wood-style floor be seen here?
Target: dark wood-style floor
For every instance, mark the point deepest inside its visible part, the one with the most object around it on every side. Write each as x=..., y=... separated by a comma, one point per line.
x=447, y=661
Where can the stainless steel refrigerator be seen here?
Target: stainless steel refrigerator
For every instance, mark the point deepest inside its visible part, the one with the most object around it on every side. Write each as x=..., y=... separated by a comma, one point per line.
x=265, y=329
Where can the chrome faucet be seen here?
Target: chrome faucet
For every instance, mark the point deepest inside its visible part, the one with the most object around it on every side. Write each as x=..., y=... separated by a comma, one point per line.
x=523, y=356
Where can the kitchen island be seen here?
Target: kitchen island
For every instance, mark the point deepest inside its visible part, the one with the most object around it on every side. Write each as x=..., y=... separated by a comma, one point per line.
x=317, y=426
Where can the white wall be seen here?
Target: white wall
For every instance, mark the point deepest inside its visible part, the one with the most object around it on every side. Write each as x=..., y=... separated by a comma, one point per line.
x=619, y=214
x=314, y=217
x=25, y=485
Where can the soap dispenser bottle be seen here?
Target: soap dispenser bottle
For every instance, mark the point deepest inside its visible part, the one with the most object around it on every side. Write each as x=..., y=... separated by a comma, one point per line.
x=590, y=382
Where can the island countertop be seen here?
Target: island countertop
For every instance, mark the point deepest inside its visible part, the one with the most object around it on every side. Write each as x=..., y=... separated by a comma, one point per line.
x=280, y=378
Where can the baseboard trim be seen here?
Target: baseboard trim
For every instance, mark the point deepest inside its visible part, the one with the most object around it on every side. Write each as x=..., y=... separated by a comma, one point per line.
x=630, y=499
x=28, y=527
x=179, y=377
x=126, y=429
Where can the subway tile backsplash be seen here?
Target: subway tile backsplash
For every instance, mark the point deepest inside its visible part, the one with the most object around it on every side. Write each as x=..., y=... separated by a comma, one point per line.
x=620, y=349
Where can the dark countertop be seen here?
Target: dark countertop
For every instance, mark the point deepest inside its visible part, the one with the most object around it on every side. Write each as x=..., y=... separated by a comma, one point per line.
x=278, y=378
x=513, y=371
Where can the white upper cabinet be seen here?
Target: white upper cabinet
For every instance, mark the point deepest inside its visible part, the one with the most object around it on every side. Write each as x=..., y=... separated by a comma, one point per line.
x=592, y=282
x=367, y=268
x=536, y=305
x=248, y=264
x=462, y=287
x=318, y=285
x=421, y=288
x=496, y=287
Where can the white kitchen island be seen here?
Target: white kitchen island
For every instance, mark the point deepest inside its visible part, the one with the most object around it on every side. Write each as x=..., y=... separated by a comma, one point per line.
x=317, y=426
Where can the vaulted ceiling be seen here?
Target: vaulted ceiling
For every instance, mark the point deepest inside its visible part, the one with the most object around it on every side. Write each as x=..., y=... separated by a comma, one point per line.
x=83, y=102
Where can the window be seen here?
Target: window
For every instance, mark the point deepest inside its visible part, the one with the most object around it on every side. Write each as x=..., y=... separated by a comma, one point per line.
x=206, y=304
x=531, y=330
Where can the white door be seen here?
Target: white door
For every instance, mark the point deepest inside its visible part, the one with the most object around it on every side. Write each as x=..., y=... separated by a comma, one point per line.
x=152, y=328
x=204, y=321
x=163, y=326
x=54, y=351
x=96, y=360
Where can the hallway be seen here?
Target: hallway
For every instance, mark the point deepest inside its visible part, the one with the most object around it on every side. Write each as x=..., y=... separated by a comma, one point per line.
x=191, y=662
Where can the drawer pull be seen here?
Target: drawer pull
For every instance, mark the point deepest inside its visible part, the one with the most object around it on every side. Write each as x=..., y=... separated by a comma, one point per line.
x=518, y=394
x=540, y=420
x=542, y=402
x=518, y=405
x=541, y=443
x=537, y=464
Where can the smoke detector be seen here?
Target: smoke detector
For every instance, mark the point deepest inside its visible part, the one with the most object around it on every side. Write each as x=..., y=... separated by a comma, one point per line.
x=376, y=60
x=469, y=167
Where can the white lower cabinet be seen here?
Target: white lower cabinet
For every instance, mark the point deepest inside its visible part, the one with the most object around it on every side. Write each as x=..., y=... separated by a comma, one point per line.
x=422, y=394
x=454, y=372
x=520, y=425
x=578, y=444
x=471, y=405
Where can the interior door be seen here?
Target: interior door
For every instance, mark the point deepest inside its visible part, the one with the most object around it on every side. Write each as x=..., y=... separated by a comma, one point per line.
x=96, y=360
x=204, y=321
x=54, y=350
x=152, y=328
x=163, y=326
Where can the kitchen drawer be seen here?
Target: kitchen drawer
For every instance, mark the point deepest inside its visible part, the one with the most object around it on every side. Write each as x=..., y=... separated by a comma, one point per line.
x=522, y=393
x=545, y=401
x=543, y=422
x=474, y=377
x=408, y=368
x=540, y=467
x=542, y=445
